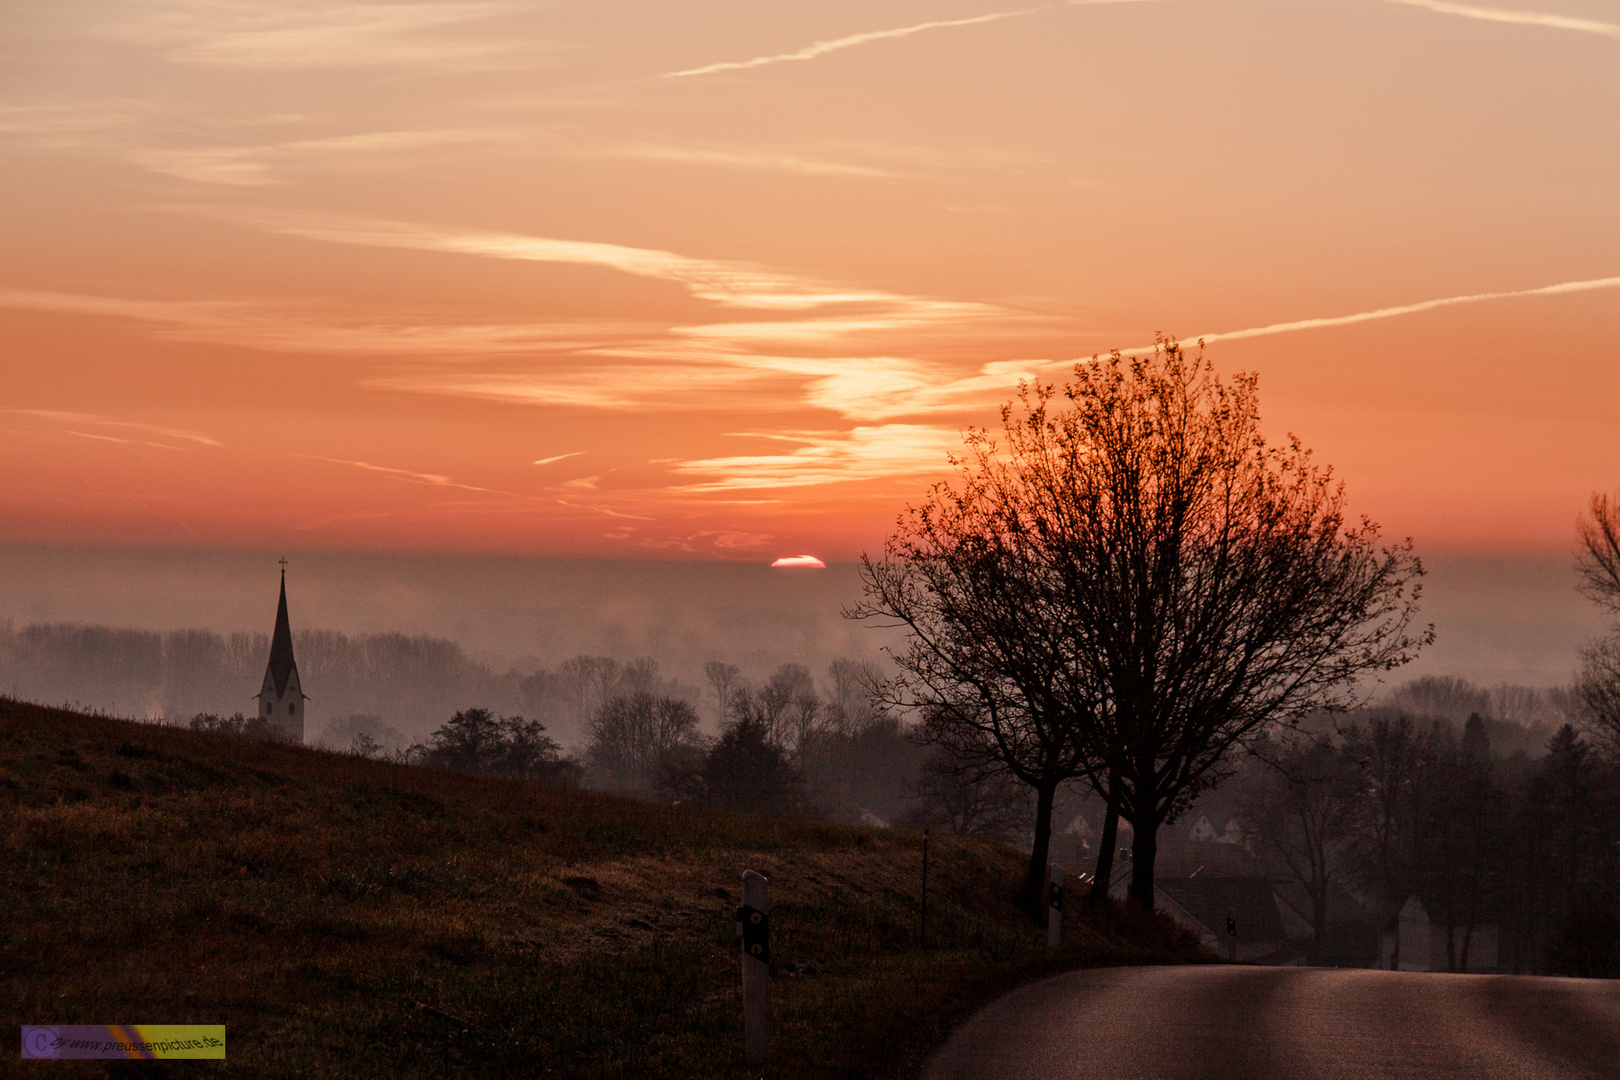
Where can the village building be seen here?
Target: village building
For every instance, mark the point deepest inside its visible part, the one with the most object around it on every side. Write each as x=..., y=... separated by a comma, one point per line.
x=1412, y=942
x=281, y=697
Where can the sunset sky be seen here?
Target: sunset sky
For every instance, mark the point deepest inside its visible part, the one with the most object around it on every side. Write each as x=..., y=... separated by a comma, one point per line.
x=652, y=279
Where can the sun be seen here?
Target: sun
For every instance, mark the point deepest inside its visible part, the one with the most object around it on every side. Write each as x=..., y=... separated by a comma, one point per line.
x=809, y=561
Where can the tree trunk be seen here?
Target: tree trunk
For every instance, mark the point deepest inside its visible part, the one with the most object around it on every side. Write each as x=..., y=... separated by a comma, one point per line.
x=1319, y=910
x=1035, y=879
x=1144, y=846
x=1105, y=852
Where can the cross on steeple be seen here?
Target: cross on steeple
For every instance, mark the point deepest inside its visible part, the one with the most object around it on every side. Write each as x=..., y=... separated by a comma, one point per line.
x=283, y=561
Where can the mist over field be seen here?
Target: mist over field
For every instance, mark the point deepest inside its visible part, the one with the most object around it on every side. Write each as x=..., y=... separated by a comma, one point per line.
x=507, y=616
x=1498, y=620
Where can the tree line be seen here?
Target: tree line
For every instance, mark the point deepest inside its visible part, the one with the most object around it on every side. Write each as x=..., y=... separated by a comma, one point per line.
x=1482, y=825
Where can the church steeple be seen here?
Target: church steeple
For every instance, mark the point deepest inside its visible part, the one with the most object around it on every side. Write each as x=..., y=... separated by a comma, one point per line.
x=282, y=664
x=281, y=698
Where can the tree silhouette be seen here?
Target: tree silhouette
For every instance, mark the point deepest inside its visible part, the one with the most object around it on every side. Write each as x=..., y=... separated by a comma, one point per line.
x=1138, y=584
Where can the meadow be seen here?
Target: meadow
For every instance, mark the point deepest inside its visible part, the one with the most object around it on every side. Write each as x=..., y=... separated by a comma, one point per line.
x=358, y=918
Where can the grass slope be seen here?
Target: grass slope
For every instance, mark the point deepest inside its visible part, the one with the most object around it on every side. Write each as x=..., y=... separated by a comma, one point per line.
x=307, y=900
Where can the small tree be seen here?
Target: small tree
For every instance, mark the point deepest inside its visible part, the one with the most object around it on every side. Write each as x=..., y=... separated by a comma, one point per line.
x=254, y=727
x=724, y=679
x=477, y=741
x=632, y=735
x=968, y=798
x=746, y=771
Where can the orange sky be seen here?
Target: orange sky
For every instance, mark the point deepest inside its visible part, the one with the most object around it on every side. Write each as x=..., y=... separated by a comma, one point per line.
x=642, y=279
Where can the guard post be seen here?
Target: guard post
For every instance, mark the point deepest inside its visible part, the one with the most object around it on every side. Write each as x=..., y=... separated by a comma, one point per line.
x=754, y=928
x=1054, y=910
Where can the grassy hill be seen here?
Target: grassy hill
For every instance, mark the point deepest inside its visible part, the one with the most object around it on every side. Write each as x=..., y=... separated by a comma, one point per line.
x=310, y=900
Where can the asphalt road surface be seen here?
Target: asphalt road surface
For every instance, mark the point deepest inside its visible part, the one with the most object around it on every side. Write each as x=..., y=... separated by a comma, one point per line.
x=1211, y=1023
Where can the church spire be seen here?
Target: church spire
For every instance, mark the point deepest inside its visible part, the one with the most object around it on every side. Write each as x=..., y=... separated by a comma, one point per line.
x=281, y=650
x=281, y=699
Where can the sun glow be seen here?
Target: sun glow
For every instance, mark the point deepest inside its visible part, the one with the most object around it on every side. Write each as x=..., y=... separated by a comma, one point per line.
x=807, y=561
x=515, y=277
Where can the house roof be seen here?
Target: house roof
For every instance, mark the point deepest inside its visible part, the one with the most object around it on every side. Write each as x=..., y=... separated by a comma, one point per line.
x=1249, y=901
x=1342, y=906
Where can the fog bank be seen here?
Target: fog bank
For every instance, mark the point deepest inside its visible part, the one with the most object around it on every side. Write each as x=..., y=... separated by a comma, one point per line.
x=1498, y=619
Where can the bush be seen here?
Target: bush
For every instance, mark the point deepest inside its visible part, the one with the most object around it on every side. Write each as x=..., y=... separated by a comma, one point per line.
x=477, y=741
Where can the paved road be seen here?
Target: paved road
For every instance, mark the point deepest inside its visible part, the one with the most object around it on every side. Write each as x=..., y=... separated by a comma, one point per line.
x=1213, y=1023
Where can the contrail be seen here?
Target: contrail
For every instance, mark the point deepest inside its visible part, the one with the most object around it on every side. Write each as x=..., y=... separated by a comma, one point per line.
x=821, y=48
x=1521, y=18
x=1413, y=309
x=559, y=457
x=1391, y=312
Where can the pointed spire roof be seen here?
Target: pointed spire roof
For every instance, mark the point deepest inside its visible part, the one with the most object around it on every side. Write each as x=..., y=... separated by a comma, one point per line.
x=281, y=651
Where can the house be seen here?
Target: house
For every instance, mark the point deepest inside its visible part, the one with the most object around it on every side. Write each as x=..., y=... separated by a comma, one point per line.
x=1239, y=918
x=1412, y=942
x=1204, y=832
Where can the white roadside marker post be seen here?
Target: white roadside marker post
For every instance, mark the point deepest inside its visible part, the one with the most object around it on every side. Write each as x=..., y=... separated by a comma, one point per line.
x=1054, y=910
x=754, y=927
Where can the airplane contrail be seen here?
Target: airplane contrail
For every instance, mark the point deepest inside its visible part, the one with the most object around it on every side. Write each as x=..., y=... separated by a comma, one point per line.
x=1413, y=309
x=1590, y=285
x=1521, y=18
x=821, y=48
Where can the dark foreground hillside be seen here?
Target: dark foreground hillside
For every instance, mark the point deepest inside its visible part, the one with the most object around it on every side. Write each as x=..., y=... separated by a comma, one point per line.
x=309, y=900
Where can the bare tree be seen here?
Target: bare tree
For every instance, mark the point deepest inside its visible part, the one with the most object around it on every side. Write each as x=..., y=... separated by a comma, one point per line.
x=1218, y=583
x=1598, y=685
x=968, y=798
x=588, y=682
x=723, y=678
x=1191, y=582
x=639, y=676
x=1441, y=697
x=1395, y=756
x=991, y=661
x=1301, y=808
x=631, y=736
x=850, y=705
x=1599, y=563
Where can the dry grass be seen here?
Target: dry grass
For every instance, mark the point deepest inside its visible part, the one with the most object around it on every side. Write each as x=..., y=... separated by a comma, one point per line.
x=307, y=899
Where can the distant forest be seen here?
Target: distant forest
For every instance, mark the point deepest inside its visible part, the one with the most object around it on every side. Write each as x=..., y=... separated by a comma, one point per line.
x=410, y=685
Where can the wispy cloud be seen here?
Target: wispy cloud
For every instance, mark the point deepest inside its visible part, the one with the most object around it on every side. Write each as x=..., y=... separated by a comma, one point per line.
x=775, y=160
x=430, y=479
x=123, y=442
x=248, y=34
x=1521, y=18
x=822, y=48
x=61, y=417
x=252, y=166
x=827, y=457
x=730, y=283
x=293, y=325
